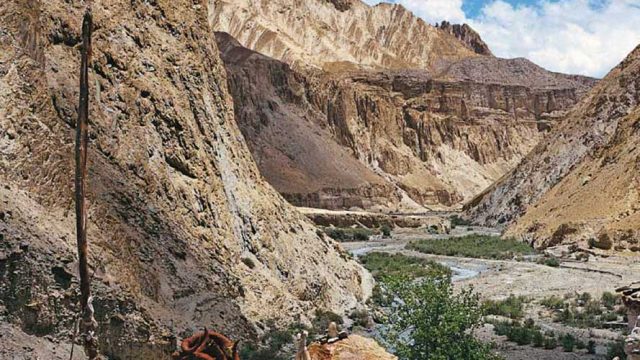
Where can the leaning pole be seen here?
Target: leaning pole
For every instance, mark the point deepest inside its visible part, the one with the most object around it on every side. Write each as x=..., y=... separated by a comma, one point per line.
x=88, y=323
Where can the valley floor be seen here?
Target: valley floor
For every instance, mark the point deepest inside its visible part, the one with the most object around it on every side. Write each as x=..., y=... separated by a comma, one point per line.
x=497, y=279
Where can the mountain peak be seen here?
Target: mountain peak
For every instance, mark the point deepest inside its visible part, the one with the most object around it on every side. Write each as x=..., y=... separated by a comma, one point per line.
x=467, y=35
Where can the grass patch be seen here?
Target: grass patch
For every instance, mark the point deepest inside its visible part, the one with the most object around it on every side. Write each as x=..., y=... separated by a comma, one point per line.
x=475, y=246
x=383, y=265
x=512, y=307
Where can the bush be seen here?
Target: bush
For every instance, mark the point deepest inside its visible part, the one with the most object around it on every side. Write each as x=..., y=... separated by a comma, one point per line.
x=385, y=230
x=603, y=242
x=511, y=307
x=348, y=234
x=591, y=347
x=475, y=246
x=249, y=262
x=458, y=221
x=323, y=319
x=616, y=349
x=610, y=300
x=431, y=321
x=550, y=343
x=360, y=318
x=538, y=339
x=552, y=261
x=552, y=302
x=568, y=342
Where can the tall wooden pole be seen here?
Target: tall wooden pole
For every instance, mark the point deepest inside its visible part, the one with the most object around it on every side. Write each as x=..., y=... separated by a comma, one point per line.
x=89, y=325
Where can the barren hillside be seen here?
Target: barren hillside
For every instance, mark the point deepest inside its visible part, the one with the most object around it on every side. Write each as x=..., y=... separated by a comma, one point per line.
x=582, y=182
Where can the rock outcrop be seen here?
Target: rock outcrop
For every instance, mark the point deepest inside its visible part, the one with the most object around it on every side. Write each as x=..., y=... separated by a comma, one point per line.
x=392, y=139
x=582, y=182
x=467, y=35
x=183, y=230
x=353, y=347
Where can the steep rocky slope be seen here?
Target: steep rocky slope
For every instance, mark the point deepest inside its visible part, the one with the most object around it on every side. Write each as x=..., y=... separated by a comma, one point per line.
x=183, y=230
x=394, y=139
x=583, y=181
x=334, y=34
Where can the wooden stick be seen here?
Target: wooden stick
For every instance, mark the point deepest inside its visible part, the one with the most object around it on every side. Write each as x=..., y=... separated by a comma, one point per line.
x=89, y=325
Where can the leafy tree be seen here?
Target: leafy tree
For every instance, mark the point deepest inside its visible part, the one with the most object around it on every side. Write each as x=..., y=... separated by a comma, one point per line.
x=428, y=321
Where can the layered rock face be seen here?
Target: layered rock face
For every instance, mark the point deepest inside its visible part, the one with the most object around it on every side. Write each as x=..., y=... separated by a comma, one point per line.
x=392, y=139
x=582, y=182
x=335, y=34
x=183, y=230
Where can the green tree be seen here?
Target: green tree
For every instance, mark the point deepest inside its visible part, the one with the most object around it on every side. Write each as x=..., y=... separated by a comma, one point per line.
x=428, y=321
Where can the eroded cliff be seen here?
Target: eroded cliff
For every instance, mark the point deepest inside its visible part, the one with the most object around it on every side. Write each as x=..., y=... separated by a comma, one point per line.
x=396, y=139
x=183, y=230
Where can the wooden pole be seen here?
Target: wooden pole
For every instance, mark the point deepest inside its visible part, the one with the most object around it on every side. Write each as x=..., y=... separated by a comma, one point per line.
x=89, y=325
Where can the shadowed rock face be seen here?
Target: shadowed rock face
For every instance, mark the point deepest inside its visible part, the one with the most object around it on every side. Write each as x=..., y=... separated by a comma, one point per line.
x=397, y=139
x=467, y=35
x=183, y=232
x=582, y=181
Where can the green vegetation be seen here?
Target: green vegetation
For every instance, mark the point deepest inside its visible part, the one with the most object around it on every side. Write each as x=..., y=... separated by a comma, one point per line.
x=591, y=347
x=616, y=349
x=348, y=234
x=512, y=307
x=275, y=345
x=583, y=311
x=458, y=221
x=385, y=230
x=383, y=264
x=568, y=342
x=430, y=321
x=551, y=261
x=476, y=246
x=552, y=302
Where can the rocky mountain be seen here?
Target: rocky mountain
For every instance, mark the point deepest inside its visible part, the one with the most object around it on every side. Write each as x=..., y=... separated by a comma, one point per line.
x=391, y=139
x=582, y=182
x=334, y=34
x=183, y=230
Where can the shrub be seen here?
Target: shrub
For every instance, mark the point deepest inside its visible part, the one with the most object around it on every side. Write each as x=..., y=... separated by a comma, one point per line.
x=385, y=230
x=511, y=307
x=476, y=246
x=431, y=321
x=603, y=242
x=610, y=300
x=538, y=339
x=616, y=349
x=591, y=347
x=552, y=261
x=550, y=343
x=249, y=262
x=348, y=234
x=568, y=342
x=552, y=302
x=322, y=320
x=458, y=221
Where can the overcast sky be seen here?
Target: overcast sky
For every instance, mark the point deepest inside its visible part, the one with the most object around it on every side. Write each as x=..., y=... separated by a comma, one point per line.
x=586, y=37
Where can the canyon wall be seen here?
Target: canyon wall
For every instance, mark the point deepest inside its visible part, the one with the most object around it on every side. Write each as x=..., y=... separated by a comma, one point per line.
x=392, y=139
x=581, y=183
x=183, y=230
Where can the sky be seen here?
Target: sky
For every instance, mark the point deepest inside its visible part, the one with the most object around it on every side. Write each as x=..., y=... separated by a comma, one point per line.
x=587, y=37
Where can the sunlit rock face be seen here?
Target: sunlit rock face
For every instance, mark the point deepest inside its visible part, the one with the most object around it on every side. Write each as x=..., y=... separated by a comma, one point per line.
x=183, y=231
x=581, y=183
